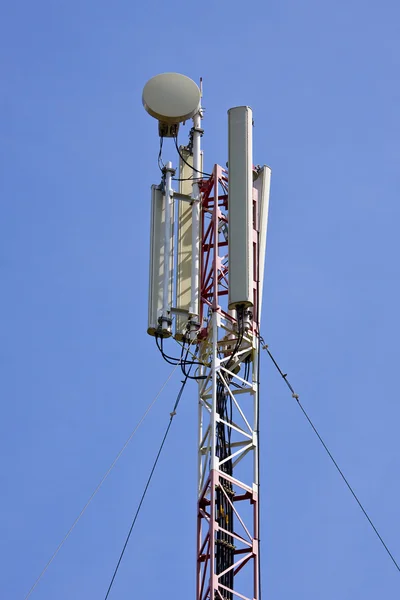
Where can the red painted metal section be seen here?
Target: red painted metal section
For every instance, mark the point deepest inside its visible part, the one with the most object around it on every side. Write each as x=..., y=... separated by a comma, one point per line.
x=211, y=268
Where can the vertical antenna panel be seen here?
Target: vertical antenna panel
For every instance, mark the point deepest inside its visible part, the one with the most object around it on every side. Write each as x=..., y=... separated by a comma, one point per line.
x=184, y=260
x=157, y=264
x=262, y=185
x=184, y=264
x=240, y=203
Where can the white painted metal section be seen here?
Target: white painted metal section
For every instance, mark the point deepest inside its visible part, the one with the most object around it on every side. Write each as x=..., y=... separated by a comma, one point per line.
x=159, y=292
x=244, y=424
x=161, y=258
x=240, y=206
x=262, y=185
x=156, y=259
x=214, y=377
x=184, y=243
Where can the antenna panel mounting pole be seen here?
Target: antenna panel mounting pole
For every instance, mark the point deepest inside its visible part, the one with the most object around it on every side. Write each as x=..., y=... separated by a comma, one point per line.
x=167, y=288
x=195, y=292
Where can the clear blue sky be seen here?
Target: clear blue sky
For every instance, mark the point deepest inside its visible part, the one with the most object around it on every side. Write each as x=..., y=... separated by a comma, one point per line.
x=78, y=156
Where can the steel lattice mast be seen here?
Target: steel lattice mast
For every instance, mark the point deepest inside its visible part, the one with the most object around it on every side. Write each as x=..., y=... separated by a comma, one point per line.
x=228, y=515
x=207, y=272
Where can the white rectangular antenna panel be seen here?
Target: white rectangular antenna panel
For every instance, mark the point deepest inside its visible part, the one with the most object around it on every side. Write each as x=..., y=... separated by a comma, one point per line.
x=184, y=259
x=240, y=206
x=157, y=263
x=262, y=185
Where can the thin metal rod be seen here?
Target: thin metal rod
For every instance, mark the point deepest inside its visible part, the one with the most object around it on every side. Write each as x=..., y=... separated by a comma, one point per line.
x=167, y=241
x=195, y=291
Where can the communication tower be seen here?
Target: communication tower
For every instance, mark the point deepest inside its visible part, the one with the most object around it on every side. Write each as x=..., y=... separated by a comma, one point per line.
x=207, y=250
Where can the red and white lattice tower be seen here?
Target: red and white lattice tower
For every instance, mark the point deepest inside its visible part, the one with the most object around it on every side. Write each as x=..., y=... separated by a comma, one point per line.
x=206, y=276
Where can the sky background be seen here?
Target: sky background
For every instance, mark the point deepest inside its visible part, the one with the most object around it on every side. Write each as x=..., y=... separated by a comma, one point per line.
x=78, y=155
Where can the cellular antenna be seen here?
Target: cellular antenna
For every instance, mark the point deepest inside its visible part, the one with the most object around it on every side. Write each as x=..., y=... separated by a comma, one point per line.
x=208, y=240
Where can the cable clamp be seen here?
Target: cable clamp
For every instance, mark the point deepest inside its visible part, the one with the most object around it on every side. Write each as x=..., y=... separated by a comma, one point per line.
x=172, y=414
x=197, y=130
x=295, y=396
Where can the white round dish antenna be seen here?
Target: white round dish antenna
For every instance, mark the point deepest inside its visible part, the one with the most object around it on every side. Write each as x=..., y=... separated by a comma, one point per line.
x=171, y=98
